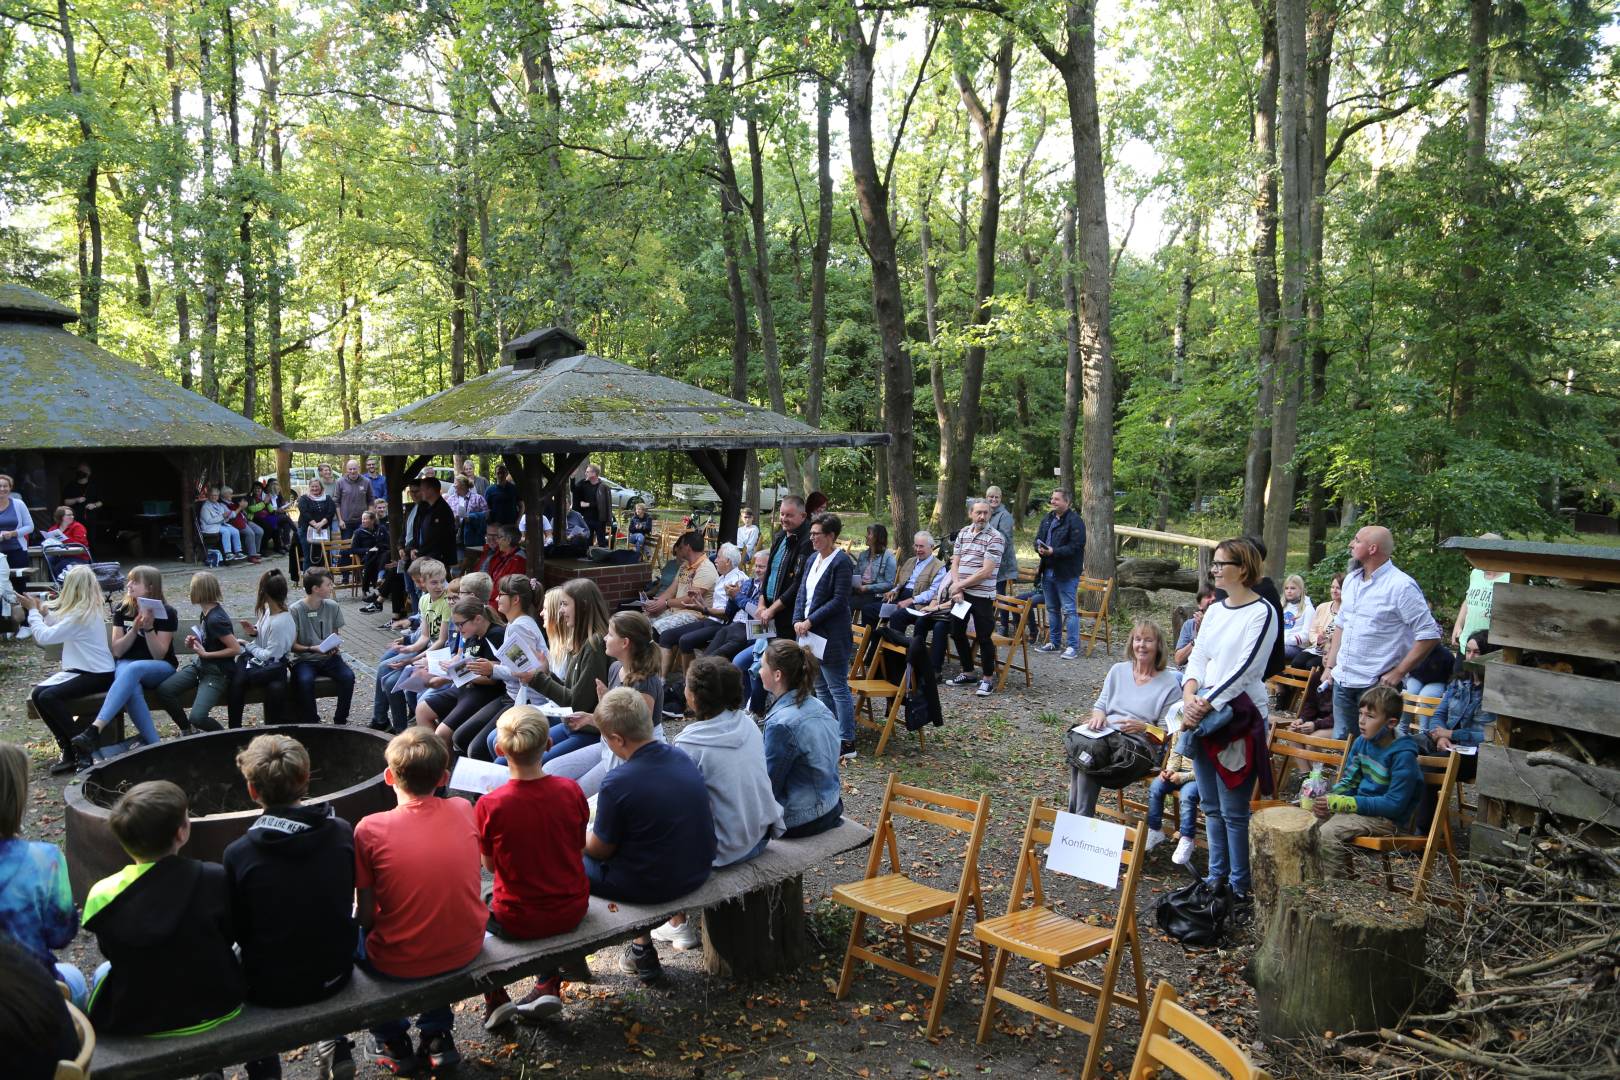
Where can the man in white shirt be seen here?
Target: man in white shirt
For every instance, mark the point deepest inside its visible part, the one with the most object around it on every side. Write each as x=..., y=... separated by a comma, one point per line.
x=1385, y=627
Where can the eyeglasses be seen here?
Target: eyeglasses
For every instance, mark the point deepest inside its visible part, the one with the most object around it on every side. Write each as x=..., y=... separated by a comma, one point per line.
x=1222, y=562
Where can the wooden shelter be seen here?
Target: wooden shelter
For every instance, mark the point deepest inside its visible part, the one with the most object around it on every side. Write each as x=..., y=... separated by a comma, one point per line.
x=66, y=399
x=552, y=404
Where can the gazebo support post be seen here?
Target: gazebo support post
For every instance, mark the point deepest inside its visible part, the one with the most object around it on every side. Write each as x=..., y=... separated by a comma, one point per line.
x=725, y=471
x=531, y=474
x=184, y=462
x=394, y=477
x=562, y=473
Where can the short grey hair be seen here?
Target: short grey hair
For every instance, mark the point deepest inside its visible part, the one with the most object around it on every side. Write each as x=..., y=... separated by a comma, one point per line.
x=731, y=552
x=925, y=535
x=976, y=503
x=992, y=490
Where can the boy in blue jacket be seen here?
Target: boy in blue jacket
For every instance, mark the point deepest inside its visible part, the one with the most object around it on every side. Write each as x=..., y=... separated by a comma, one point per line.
x=1380, y=786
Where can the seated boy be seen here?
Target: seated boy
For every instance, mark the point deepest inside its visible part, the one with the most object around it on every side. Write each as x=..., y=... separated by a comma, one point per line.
x=164, y=925
x=291, y=878
x=418, y=897
x=1380, y=786
x=1177, y=776
x=316, y=618
x=653, y=838
x=531, y=830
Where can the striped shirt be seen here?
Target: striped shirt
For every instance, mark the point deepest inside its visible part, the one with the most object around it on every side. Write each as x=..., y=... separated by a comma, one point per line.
x=977, y=548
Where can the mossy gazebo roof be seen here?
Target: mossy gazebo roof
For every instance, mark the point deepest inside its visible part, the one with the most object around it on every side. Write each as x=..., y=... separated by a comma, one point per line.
x=553, y=396
x=61, y=392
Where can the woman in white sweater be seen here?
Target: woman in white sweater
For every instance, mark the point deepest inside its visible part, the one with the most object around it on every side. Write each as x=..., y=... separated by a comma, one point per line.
x=1228, y=660
x=263, y=661
x=77, y=621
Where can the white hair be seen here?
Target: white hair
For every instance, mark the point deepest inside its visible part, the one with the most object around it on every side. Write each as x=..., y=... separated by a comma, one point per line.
x=925, y=536
x=732, y=553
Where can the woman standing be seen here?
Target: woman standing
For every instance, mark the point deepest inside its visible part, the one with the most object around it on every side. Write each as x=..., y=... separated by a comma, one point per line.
x=576, y=623
x=15, y=526
x=76, y=620
x=1225, y=706
x=1135, y=694
x=263, y=660
x=315, y=511
x=143, y=645
x=822, y=607
x=801, y=742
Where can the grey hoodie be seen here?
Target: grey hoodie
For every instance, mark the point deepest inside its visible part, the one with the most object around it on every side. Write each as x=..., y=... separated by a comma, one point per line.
x=730, y=752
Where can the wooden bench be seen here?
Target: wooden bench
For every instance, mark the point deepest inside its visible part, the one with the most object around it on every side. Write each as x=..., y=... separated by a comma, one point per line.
x=762, y=933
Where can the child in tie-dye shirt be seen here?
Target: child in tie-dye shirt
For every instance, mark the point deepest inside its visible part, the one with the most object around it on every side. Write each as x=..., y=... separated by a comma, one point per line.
x=36, y=905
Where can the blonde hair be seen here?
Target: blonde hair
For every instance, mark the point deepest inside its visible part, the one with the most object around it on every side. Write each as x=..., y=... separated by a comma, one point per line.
x=478, y=583
x=418, y=759
x=278, y=768
x=1161, y=653
x=13, y=788
x=589, y=623
x=522, y=734
x=205, y=589
x=623, y=712
x=80, y=597
x=428, y=569
x=1294, y=579
x=150, y=579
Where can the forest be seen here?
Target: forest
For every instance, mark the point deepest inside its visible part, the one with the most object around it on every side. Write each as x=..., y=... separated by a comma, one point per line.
x=1244, y=263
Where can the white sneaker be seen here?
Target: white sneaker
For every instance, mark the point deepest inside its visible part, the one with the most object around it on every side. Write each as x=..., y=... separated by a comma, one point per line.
x=986, y=688
x=682, y=937
x=23, y=632
x=1046, y=646
x=1155, y=837
x=1183, y=853
x=1068, y=654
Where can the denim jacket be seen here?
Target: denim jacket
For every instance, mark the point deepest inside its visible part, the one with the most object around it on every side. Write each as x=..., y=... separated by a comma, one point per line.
x=801, y=756
x=882, y=573
x=1460, y=711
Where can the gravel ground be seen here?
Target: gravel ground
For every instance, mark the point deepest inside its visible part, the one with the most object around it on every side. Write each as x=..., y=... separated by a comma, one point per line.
x=695, y=1026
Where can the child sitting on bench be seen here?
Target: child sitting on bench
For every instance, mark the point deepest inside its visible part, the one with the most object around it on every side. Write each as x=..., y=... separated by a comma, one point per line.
x=164, y=925
x=1379, y=788
x=36, y=905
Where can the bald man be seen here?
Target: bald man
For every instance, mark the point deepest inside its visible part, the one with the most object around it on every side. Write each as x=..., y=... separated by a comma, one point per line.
x=1385, y=628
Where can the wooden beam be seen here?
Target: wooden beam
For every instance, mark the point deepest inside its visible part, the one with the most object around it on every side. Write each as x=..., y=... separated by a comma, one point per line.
x=1556, y=698
x=1505, y=773
x=1556, y=620
x=532, y=492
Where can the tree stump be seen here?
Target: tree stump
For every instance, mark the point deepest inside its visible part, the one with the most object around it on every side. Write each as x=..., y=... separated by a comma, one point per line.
x=758, y=936
x=1337, y=956
x=1280, y=853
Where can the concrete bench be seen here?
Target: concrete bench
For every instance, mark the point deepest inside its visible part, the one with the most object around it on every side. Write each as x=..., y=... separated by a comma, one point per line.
x=753, y=926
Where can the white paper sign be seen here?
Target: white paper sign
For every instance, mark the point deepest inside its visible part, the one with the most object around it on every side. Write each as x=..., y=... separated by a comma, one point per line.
x=960, y=609
x=815, y=643
x=888, y=610
x=517, y=657
x=414, y=680
x=148, y=604
x=552, y=711
x=316, y=536
x=330, y=644
x=437, y=659
x=1466, y=751
x=197, y=632
x=476, y=776
x=1086, y=848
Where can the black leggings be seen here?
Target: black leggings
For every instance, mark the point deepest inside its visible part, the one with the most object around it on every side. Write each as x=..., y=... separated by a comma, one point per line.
x=477, y=706
x=52, y=703
x=273, y=677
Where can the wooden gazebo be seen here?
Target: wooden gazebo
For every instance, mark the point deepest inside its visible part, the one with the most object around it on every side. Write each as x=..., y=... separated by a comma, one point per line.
x=552, y=404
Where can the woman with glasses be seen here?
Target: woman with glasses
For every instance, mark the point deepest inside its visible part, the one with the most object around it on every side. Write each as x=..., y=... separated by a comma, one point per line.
x=822, y=608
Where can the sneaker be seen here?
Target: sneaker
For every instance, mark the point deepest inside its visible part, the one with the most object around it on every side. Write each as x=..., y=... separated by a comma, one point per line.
x=1046, y=646
x=1155, y=837
x=334, y=1060
x=396, y=1056
x=499, y=1010
x=438, y=1052
x=254, y=559
x=24, y=632
x=682, y=937
x=846, y=751
x=544, y=1001
x=1183, y=853
x=1242, y=908
x=967, y=678
x=69, y=762
x=87, y=742
x=642, y=962
x=986, y=688
x=1068, y=654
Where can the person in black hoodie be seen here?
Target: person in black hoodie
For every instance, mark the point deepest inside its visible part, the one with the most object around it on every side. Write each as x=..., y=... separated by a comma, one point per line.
x=164, y=925
x=291, y=880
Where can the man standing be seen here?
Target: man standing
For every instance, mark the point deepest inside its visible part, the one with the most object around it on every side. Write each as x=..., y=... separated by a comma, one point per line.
x=1385, y=628
x=1001, y=520
x=353, y=498
x=594, y=502
x=374, y=477
x=502, y=498
x=435, y=535
x=1060, y=541
x=973, y=578
x=789, y=548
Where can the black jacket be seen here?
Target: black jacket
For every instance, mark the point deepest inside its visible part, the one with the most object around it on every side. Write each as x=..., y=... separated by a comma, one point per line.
x=793, y=564
x=1066, y=536
x=291, y=878
x=436, y=533
x=168, y=935
x=593, y=501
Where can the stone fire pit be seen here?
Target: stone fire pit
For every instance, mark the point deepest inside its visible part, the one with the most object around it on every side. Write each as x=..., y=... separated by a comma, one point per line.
x=346, y=771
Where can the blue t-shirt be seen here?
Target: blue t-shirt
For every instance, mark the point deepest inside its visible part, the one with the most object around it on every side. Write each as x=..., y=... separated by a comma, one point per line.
x=1189, y=630
x=655, y=809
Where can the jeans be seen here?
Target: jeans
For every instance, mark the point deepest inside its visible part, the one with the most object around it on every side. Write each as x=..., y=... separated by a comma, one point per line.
x=435, y=1021
x=1188, y=794
x=127, y=693
x=212, y=685
x=388, y=707
x=1060, y=596
x=832, y=690
x=564, y=740
x=1433, y=689
x=304, y=674
x=252, y=538
x=1346, y=708
x=230, y=539
x=1226, y=823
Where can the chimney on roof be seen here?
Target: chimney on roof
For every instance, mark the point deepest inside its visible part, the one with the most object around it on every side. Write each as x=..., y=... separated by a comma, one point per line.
x=538, y=348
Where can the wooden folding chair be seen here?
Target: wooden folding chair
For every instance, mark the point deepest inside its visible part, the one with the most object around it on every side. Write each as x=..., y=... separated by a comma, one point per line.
x=1028, y=579
x=1056, y=941
x=1441, y=773
x=873, y=685
x=338, y=557
x=1101, y=588
x=1016, y=643
x=1416, y=708
x=1297, y=682
x=78, y=1067
x=897, y=899
x=1158, y=1049
x=1290, y=747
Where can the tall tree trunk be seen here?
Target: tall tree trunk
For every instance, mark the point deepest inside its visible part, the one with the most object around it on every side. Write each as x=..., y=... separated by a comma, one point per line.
x=1320, y=67
x=818, y=274
x=736, y=296
x=179, y=258
x=213, y=282
x=357, y=369
x=957, y=438
x=545, y=113
x=1072, y=370
x=1296, y=192
x=87, y=213
x=461, y=207
x=1479, y=118
x=271, y=67
x=1178, y=367
x=1257, y=459
x=888, y=302
x=244, y=231
x=341, y=353
x=944, y=412
x=135, y=210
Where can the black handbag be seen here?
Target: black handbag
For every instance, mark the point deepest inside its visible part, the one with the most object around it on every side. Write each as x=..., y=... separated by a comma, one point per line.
x=1195, y=914
x=1114, y=759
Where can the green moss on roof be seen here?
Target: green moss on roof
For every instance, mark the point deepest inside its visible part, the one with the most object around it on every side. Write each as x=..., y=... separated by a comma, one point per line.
x=21, y=302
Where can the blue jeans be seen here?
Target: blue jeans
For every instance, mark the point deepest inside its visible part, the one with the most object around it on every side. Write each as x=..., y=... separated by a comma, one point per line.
x=832, y=690
x=1060, y=597
x=230, y=540
x=1188, y=793
x=387, y=706
x=304, y=674
x=1226, y=824
x=563, y=741
x=126, y=694
x=1346, y=709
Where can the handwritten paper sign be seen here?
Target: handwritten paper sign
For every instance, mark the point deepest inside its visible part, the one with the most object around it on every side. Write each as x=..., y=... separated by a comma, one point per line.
x=1086, y=848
